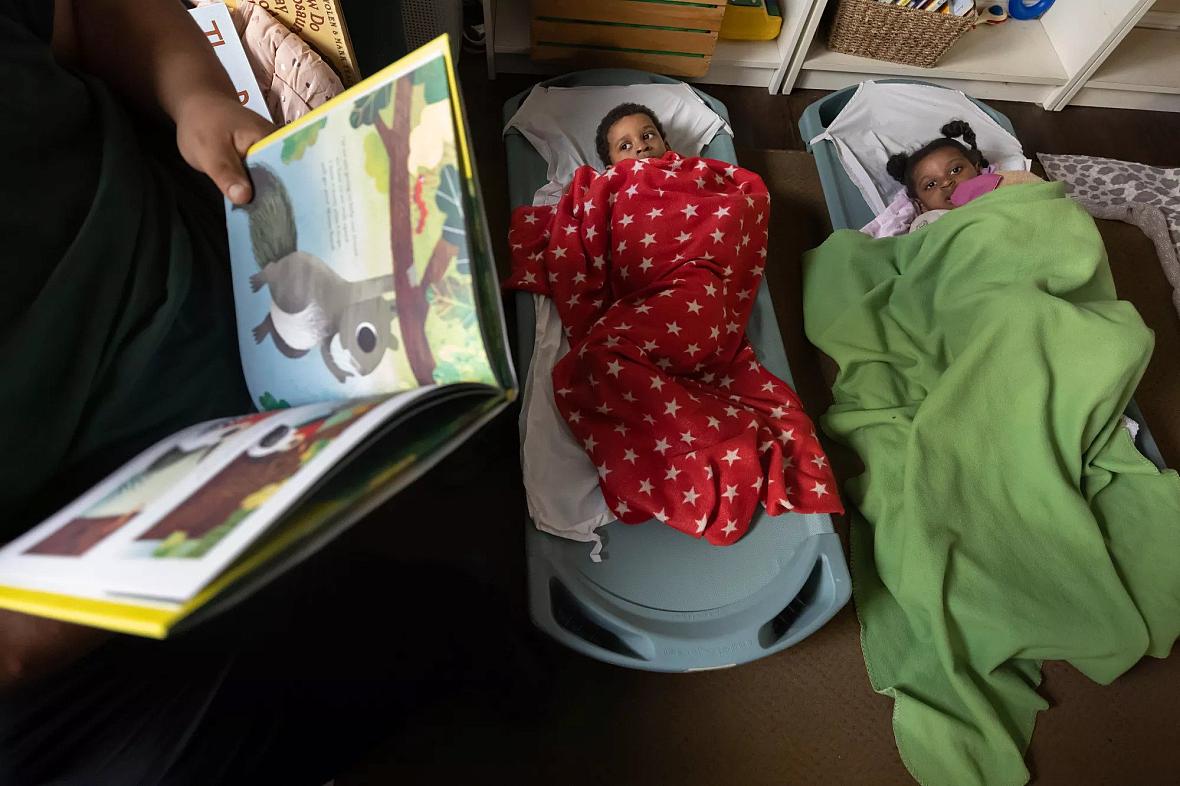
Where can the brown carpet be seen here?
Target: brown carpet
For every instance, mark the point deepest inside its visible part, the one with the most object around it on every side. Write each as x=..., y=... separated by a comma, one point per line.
x=808, y=715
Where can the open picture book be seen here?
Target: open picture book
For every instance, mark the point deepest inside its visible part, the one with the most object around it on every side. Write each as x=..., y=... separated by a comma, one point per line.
x=372, y=340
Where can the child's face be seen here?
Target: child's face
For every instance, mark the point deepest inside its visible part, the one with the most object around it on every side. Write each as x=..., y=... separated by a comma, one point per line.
x=938, y=174
x=634, y=136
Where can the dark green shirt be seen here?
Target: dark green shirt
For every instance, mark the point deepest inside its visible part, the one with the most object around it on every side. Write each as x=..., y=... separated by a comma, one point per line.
x=116, y=318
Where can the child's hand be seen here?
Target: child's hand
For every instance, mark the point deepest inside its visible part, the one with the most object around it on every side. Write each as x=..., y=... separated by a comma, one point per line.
x=213, y=132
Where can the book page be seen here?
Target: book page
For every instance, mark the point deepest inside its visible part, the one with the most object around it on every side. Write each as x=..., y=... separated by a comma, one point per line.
x=352, y=265
x=168, y=522
x=54, y=553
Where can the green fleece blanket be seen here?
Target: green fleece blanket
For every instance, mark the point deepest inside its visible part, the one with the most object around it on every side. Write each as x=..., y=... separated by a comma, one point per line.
x=1008, y=519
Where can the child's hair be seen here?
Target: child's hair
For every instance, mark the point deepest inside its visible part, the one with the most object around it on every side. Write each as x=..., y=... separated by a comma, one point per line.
x=613, y=116
x=901, y=165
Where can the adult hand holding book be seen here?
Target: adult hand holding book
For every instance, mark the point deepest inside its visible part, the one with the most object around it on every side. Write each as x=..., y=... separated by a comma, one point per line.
x=371, y=335
x=213, y=132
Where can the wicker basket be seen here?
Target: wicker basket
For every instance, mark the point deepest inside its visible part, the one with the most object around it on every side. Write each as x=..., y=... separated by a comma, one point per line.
x=868, y=28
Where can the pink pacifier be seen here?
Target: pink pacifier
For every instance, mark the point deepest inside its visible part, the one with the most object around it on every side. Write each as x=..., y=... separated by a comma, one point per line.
x=975, y=187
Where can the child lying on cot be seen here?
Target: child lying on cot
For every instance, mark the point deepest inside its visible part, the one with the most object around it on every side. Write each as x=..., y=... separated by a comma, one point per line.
x=939, y=176
x=653, y=267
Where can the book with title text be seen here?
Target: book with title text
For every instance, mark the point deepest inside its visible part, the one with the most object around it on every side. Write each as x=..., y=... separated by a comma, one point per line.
x=321, y=24
x=371, y=336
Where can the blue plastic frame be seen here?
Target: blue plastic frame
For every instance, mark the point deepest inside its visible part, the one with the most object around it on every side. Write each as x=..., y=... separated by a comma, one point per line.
x=778, y=585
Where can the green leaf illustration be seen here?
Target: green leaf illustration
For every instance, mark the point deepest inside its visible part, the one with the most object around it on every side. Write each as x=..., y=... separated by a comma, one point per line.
x=449, y=199
x=433, y=76
x=296, y=145
x=365, y=110
x=451, y=299
x=267, y=402
x=377, y=161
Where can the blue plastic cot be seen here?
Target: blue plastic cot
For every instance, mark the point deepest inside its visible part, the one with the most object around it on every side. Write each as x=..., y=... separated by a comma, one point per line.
x=848, y=209
x=662, y=600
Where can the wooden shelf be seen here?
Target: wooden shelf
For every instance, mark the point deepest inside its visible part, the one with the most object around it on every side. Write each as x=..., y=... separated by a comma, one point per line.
x=751, y=63
x=512, y=38
x=1014, y=51
x=1145, y=61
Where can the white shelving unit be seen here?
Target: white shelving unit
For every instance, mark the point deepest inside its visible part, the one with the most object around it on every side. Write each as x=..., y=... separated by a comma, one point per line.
x=750, y=63
x=508, y=37
x=1143, y=72
x=1044, y=61
x=1030, y=71
x=760, y=63
x=1165, y=15
x=1086, y=52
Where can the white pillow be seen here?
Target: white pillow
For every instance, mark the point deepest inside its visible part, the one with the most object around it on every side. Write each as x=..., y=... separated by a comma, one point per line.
x=560, y=122
x=883, y=119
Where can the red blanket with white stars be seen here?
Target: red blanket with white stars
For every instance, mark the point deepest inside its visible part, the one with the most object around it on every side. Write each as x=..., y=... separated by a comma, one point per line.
x=653, y=267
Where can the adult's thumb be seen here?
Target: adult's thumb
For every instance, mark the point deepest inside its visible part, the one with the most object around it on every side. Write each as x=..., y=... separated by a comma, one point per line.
x=226, y=171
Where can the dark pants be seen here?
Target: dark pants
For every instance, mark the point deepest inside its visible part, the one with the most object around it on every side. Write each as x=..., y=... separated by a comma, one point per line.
x=289, y=689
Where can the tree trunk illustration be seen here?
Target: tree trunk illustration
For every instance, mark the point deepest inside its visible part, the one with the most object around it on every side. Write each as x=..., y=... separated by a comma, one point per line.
x=412, y=305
